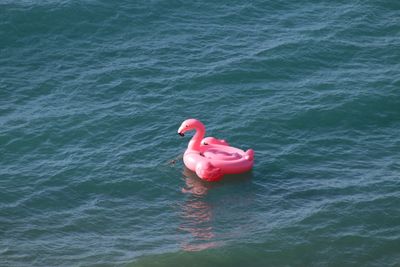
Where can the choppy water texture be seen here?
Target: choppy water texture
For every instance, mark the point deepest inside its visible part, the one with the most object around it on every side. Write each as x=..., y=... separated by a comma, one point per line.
x=92, y=94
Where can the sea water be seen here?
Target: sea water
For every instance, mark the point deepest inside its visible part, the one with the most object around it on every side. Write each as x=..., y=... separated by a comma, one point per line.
x=92, y=94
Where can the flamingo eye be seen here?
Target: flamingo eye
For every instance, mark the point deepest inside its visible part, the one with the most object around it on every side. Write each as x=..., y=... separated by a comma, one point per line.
x=187, y=126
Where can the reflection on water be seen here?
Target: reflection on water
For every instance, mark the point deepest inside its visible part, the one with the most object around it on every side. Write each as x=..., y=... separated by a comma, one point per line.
x=194, y=185
x=197, y=214
x=198, y=211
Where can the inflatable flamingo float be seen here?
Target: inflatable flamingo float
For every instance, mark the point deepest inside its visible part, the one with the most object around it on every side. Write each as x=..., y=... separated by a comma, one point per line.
x=210, y=157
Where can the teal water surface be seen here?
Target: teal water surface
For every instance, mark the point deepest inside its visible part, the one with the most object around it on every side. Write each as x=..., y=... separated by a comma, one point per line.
x=93, y=92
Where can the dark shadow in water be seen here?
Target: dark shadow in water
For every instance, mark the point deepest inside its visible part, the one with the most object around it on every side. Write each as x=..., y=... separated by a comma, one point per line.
x=197, y=213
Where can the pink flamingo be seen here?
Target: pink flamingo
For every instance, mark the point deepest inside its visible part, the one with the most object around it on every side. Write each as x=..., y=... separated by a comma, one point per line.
x=210, y=157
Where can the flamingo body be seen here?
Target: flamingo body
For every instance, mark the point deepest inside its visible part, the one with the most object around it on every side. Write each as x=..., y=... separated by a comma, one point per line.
x=210, y=157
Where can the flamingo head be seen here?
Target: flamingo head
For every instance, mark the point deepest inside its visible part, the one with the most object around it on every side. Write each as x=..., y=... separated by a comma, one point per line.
x=188, y=125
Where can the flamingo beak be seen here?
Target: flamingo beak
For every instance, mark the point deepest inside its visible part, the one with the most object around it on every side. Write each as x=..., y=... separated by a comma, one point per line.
x=181, y=134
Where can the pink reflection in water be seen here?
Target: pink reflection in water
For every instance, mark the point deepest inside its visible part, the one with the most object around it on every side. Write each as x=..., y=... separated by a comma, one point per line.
x=197, y=214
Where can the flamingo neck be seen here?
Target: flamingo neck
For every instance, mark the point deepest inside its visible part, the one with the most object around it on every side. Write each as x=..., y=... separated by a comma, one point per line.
x=195, y=142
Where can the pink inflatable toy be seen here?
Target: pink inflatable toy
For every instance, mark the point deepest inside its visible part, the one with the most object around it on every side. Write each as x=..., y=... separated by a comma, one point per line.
x=210, y=157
